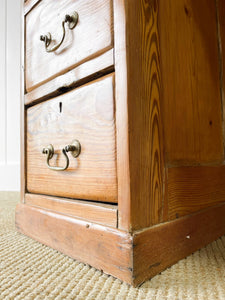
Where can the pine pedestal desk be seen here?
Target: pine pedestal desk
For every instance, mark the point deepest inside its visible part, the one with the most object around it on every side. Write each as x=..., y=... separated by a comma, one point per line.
x=123, y=130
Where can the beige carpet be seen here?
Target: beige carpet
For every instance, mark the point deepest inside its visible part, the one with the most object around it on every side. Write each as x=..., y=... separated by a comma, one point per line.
x=29, y=270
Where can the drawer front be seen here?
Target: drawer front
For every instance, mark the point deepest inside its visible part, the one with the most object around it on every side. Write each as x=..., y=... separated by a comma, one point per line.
x=87, y=115
x=91, y=36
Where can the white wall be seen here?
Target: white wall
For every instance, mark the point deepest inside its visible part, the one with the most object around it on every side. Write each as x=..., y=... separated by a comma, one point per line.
x=10, y=17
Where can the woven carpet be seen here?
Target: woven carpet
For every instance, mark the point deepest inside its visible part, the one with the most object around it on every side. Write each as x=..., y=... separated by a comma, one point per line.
x=29, y=270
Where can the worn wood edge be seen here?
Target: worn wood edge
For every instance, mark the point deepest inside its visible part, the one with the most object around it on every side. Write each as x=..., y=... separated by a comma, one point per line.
x=88, y=71
x=163, y=245
x=28, y=5
x=100, y=213
x=122, y=144
x=67, y=69
x=104, y=248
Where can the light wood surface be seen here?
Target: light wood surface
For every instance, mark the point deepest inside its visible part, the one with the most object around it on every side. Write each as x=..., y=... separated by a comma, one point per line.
x=122, y=133
x=84, y=73
x=102, y=247
x=88, y=116
x=191, y=189
x=92, y=36
x=142, y=170
x=190, y=79
x=161, y=246
x=28, y=5
x=104, y=214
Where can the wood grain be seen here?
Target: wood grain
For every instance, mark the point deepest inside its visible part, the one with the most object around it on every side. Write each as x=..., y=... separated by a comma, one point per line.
x=92, y=36
x=102, y=247
x=104, y=214
x=191, y=189
x=221, y=46
x=88, y=116
x=82, y=74
x=122, y=130
x=142, y=92
x=159, y=247
x=191, y=105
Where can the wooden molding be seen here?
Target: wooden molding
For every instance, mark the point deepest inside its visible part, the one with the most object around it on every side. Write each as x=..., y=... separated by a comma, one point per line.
x=163, y=245
x=131, y=258
x=102, y=247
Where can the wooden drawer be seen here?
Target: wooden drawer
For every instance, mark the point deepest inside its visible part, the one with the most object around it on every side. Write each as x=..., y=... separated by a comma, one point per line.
x=85, y=114
x=91, y=36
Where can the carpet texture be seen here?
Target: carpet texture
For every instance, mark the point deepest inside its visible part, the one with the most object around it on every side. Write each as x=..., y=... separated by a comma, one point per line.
x=29, y=270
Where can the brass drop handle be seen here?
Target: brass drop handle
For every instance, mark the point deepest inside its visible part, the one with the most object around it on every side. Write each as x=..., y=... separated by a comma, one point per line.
x=47, y=39
x=74, y=148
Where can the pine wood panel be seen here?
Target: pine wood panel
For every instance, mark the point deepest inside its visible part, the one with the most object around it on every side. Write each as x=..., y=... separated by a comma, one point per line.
x=191, y=189
x=138, y=21
x=82, y=74
x=161, y=246
x=87, y=115
x=102, y=247
x=104, y=214
x=92, y=36
x=221, y=34
x=191, y=103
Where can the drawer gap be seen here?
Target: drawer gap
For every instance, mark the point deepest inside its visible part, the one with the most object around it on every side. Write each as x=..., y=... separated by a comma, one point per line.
x=67, y=87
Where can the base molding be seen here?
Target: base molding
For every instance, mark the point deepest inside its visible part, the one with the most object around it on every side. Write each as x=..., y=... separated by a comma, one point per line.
x=102, y=247
x=162, y=246
x=131, y=258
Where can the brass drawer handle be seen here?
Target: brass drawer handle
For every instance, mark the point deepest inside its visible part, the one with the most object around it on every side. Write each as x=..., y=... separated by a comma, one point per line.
x=74, y=148
x=47, y=39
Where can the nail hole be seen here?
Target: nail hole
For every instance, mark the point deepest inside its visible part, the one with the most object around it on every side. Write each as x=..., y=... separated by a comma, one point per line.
x=210, y=123
x=60, y=107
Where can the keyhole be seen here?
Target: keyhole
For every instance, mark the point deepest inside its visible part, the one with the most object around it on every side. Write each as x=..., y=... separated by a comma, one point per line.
x=60, y=107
